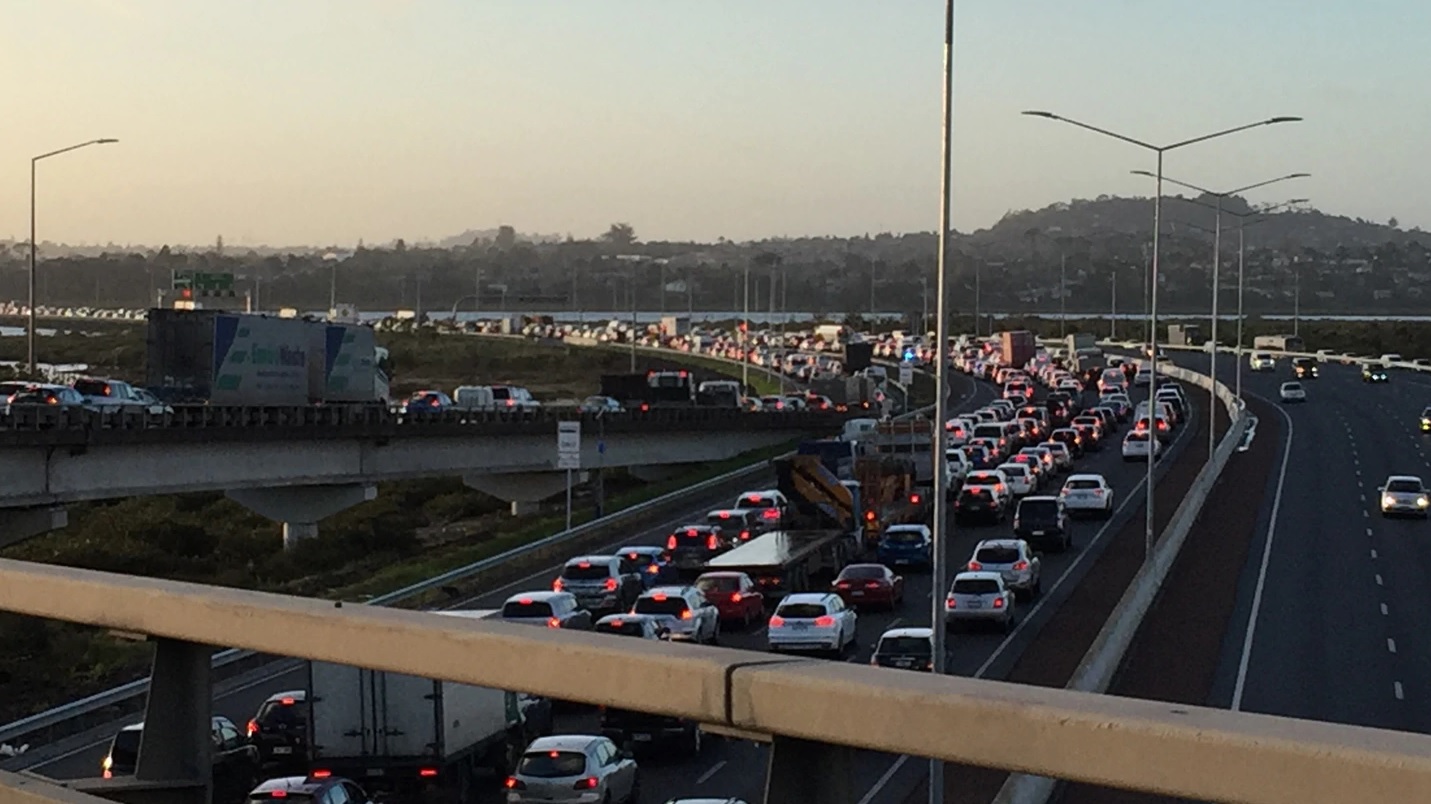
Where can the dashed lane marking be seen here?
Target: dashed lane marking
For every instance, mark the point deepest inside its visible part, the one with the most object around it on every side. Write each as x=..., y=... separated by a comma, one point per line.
x=1391, y=644
x=1378, y=580
x=1384, y=609
x=1396, y=688
x=714, y=769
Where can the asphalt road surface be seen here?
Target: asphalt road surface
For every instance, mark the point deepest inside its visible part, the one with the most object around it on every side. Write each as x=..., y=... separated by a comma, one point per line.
x=736, y=767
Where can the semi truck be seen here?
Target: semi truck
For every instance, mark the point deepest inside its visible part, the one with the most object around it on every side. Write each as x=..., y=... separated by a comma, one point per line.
x=850, y=392
x=652, y=389
x=819, y=536
x=890, y=494
x=912, y=439
x=225, y=358
x=412, y=737
x=1080, y=340
x=1279, y=343
x=1184, y=335
x=1017, y=348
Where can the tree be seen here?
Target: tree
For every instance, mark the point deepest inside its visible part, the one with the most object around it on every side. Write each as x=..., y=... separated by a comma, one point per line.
x=1394, y=223
x=506, y=237
x=620, y=234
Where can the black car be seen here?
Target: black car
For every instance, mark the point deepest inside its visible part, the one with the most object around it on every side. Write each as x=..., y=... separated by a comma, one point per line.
x=279, y=730
x=1305, y=368
x=977, y=502
x=1070, y=438
x=308, y=790
x=691, y=546
x=905, y=649
x=1374, y=374
x=1043, y=523
x=236, y=764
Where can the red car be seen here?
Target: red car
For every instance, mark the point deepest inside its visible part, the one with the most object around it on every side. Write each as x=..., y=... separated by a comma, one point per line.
x=734, y=595
x=869, y=584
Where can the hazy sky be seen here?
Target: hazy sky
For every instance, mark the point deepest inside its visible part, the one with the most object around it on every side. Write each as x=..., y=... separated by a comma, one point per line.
x=326, y=121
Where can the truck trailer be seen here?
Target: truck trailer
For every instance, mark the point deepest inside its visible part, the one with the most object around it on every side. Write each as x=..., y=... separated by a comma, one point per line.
x=652, y=389
x=1017, y=348
x=224, y=358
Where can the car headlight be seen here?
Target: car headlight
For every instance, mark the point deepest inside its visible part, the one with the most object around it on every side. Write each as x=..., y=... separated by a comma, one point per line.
x=1388, y=500
x=1423, y=501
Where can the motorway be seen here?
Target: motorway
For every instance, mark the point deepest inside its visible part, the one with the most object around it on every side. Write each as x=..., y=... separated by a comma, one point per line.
x=737, y=767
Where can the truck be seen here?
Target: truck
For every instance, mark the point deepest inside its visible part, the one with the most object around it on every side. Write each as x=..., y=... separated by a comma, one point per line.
x=820, y=532
x=1185, y=335
x=857, y=357
x=1089, y=363
x=1279, y=343
x=226, y=358
x=850, y=392
x=653, y=389
x=675, y=326
x=890, y=494
x=833, y=335
x=1017, y=348
x=912, y=439
x=1080, y=340
x=412, y=737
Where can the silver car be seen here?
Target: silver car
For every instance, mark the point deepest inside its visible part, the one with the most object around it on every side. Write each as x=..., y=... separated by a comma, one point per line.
x=684, y=611
x=575, y=768
x=1014, y=561
x=979, y=597
x=1405, y=495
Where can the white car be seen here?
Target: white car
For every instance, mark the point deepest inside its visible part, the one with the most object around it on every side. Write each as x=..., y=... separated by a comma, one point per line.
x=1016, y=562
x=1062, y=458
x=1089, y=493
x=957, y=432
x=811, y=621
x=1405, y=494
x=979, y=597
x=1136, y=446
x=1045, y=458
x=1292, y=392
x=684, y=611
x=1021, y=479
x=1144, y=377
x=573, y=768
x=1261, y=361
x=957, y=466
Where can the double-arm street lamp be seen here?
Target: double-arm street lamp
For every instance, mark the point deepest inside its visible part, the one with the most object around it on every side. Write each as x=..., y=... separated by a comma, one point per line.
x=30, y=360
x=1160, y=150
x=1217, y=272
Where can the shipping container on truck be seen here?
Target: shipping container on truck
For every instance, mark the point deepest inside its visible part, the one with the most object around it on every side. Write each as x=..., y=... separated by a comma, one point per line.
x=1080, y=340
x=1279, y=343
x=354, y=367
x=1184, y=335
x=849, y=393
x=227, y=358
x=413, y=737
x=820, y=537
x=674, y=326
x=1017, y=348
x=651, y=389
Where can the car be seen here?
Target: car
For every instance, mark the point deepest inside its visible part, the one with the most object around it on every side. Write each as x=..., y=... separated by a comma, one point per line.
x=1043, y=521
x=1091, y=428
x=1062, y=457
x=1143, y=377
x=1305, y=368
x=652, y=562
x=691, y=546
x=1138, y=446
x=986, y=494
x=236, y=764
x=811, y=621
x=643, y=626
x=1088, y=493
x=736, y=524
x=1038, y=472
x=735, y=595
x=1426, y=420
x=549, y=609
x=1044, y=456
x=979, y=597
x=1164, y=432
x=1292, y=392
x=1014, y=560
x=905, y=649
x=279, y=729
x=600, y=405
x=1070, y=438
x=1261, y=361
x=1405, y=494
x=769, y=505
x=1021, y=479
x=685, y=612
x=308, y=790
x=1371, y=373
x=575, y=768
x=869, y=585
x=426, y=403
x=601, y=583
x=909, y=545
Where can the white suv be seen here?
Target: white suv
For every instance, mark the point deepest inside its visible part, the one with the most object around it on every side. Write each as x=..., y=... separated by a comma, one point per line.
x=1089, y=493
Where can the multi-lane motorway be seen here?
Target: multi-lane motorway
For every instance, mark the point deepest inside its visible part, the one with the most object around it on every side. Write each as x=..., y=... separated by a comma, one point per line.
x=737, y=768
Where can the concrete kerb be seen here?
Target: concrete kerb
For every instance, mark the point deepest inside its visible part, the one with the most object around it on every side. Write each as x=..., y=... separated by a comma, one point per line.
x=1095, y=672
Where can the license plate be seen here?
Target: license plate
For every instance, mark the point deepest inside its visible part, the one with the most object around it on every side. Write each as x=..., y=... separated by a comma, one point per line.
x=976, y=604
x=641, y=738
x=1038, y=533
x=857, y=594
x=282, y=750
x=801, y=626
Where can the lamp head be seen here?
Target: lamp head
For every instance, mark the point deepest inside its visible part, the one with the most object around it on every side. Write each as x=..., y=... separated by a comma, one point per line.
x=1144, y=173
x=1284, y=119
x=105, y=141
x=1036, y=113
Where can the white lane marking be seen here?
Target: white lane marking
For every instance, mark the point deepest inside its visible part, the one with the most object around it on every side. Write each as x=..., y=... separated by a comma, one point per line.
x=706, y=777
x=1378, y=580
x=1363, y=498
x=1373, y=553
x=1383, y=609
x=1246, y=657
x=1391, y=644
x=1396, y=688
x=1365, y=514
x=884, y=779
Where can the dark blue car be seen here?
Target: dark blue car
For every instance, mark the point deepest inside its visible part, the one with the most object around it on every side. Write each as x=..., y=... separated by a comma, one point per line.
x=654, y=563
x=906, y=546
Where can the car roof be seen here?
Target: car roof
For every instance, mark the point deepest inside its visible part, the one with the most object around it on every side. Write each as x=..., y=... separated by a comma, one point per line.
x=1086, y=476
x=806, y=597
x=673, y=590
x=998, y=543
x=626, y=617
x=563, y=742
x=979, y=576
x=589, y=560
x=543, y=596
x=721, y=574
x=641, y=548
x=292, y=784
x=1039, y=498
x=297, y=695
x=1403, y=477
x=917, y=633
x=907, y=526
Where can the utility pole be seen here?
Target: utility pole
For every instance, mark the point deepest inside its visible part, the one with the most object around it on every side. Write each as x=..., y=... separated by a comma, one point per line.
x=1296, y=298
x=1063, y=295
x=1113, y=305
x=745, y=334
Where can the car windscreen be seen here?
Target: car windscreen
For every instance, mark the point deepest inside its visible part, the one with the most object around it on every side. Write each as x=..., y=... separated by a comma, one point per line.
x=669, y=606
x=586, y=572
x=718, y=584
x=1403, y=486
x=1077, y=483
x=691, y=537
x=531, y=608
x=551, y=764
x=981, y=480
x=92, y=387
x=996, y=555
x=904, y=537
x=994, y=431
x=124, y=751
x=976, y=586
x=905, y=646
x=621, y=628
x=802, y=611
x=1038, y=509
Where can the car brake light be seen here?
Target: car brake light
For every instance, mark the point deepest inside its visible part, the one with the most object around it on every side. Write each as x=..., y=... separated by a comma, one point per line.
x=671, y=543
x=513, y=783
x=589, y=783
x=321, y=774
x=1098, y=492
x=914, y=499
x=735, y=597
x=998, y=487
x=273, y=794
x=975, y=566
x=686, y=615
x=652, y=569
x=873, y=585
x=869, y=516
x=771, y=513
x=1020, y=566
x=745, y=534
x=950, y=602
x=998, y=602
x=611, y=584
x=252, y=727
x=428, y=773
x=556, y=585
x=825, y=621
x=776, y=621
x=712, y=543
x=724, y=515
x=553, y=622
x=659, y=597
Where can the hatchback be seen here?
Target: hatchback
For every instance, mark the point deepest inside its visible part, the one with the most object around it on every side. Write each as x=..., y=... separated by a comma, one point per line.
x=575, y=768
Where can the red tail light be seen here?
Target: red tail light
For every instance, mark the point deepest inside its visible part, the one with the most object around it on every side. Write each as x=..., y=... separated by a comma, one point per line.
x=429, y=773
x=252, y=727
x=589, y=783
x=770, y=513
x=724, y=515
x=686, y=615
x=998, y=487
x=287, y=701
x=874, y=584
x=777, y=621
x=745, y=534
x=950, y=602
x=1162, y=425
x=321, y=774
x=869, y=516
x=611, y=584
x=735, y=597
x=975, y=566
x=998, y=602
x=825, y=621
x=273, y=794
x=712, y=543
x=553, y=622
x=1020, y=566
x=671, y=543
x=556, y=585
x=513, y=783
x=914, y=499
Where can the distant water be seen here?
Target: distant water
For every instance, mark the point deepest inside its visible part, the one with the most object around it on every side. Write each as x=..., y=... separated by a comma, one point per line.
x=764, y=318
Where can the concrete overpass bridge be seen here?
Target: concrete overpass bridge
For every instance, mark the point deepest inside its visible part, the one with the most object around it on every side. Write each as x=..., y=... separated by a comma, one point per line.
x=300, y=465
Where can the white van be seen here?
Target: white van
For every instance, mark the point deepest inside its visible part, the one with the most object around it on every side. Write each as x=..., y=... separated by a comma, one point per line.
x=495, y=397
x=857, y=429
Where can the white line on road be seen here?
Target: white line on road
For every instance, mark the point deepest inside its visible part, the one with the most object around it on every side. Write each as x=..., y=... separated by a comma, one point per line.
x=1378, y=580
x=1383, y=609
x=1363, y=498
x=706, y=777
x=1396, y=688
x=1369, y=533
x=884, y=780
x=1391, y=644
x=1365, y=514
x=1242, y=663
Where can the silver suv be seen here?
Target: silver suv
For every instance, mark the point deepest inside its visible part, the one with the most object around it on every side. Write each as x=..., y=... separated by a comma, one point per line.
x=1014, y=561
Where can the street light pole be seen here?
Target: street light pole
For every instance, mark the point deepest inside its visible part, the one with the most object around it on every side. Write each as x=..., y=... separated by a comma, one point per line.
x=1113, y=305
x=1160, y=150
x=745, y=335
x=941, y=397
x=1296, y=299
x=30, y=364
x=1062, y=295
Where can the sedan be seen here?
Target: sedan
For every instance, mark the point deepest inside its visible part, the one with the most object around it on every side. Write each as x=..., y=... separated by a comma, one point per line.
x=812, y=621
x=736, y=597
x=1405, y=495
x=869, y=585
x=1292, y=392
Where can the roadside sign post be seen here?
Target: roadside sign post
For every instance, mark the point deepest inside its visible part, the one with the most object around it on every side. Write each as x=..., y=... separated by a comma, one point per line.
x=568, y=457
x=906, y=375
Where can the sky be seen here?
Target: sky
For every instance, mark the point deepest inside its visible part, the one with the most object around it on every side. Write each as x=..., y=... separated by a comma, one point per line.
x=323, y=122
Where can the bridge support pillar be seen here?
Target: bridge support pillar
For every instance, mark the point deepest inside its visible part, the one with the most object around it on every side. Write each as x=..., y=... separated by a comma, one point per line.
x=301, y=508
x=19, y=524
x=524, y=490
x=803, y=771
